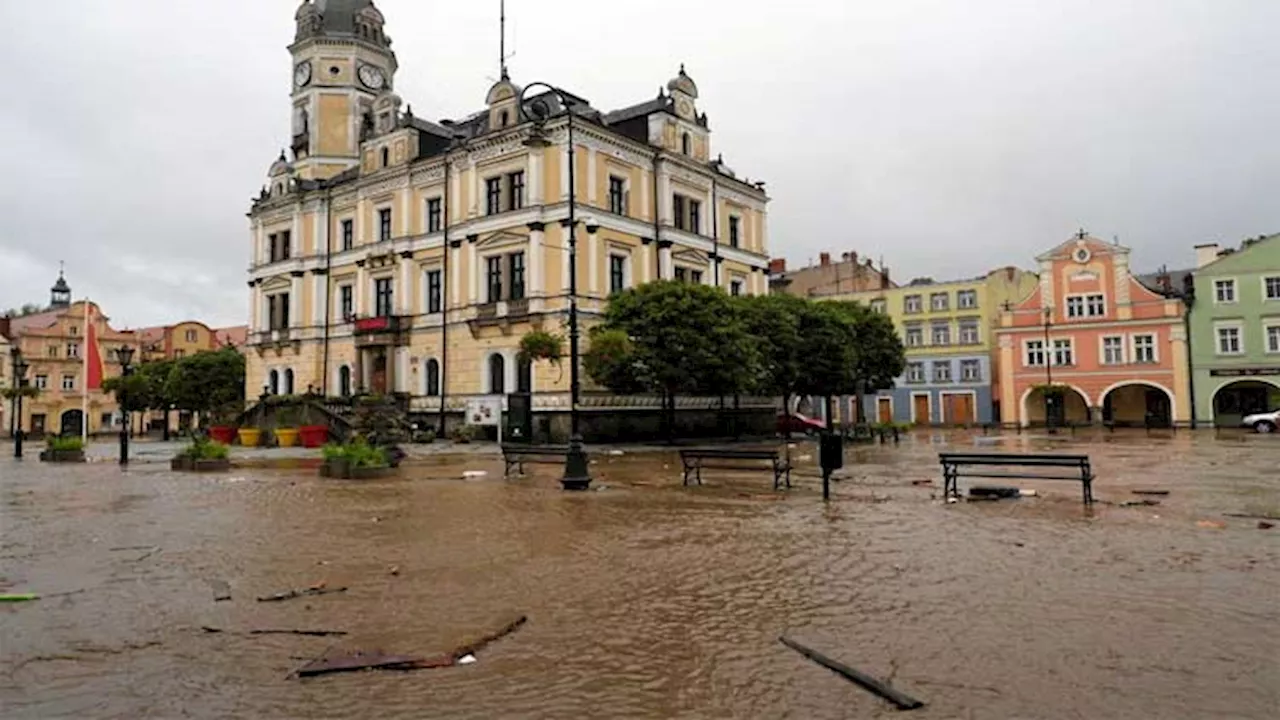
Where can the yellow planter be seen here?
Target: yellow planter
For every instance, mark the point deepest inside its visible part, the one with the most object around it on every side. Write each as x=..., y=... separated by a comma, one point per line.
x=249, y=437
x=286, y=437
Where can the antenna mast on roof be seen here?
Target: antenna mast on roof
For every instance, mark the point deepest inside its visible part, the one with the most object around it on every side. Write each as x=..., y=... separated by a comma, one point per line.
x=503, y=57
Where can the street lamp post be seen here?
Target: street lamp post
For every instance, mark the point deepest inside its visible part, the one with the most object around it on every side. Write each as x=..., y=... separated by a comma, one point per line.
x=19, y=382
x=125, y=355
x=577, y=473
x=1048, y=372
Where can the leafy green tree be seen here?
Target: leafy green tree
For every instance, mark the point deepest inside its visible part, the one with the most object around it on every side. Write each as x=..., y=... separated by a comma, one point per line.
x=773, y=324
x=610, y=361
x=209, y=383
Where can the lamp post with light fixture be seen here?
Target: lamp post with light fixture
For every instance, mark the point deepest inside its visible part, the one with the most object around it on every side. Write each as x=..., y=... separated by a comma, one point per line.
x=19, y=382
x=125, y=355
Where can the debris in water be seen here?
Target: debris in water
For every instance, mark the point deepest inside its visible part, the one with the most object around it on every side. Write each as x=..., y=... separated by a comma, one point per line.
x=473, y=474
x=221, y=590
x=921, y=482
x=1027, y=493
x=291, y=594
x=902, y=700
x=616, y=453
x=1139, y=503
x=993, y=491
x=18, y=597
x=379, y=661
x=466, y=659
x=1211, y=524
x=1264, y=525
x=395, y=570
x=1150, y=492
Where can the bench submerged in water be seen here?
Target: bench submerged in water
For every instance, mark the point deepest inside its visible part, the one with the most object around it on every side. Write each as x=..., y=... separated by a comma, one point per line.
x=517, y=455
x=1031, y=467
x=695, y=459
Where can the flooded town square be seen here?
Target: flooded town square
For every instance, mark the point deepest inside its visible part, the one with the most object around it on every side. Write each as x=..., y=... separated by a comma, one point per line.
x=646, y=599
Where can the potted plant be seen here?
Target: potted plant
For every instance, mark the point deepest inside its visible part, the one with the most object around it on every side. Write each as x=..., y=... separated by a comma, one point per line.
x=286, y=431
x=249, y=436
x=356, y=460
x=225, y=434
x=313, y=435
x=63, y=450
x=542, y=345
x=202, y=455
x=464, y=434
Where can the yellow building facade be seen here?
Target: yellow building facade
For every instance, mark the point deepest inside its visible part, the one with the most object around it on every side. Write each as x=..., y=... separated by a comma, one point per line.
x=397, y=255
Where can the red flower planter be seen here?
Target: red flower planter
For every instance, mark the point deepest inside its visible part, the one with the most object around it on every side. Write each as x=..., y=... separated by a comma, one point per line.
x=314, y=436
x=224, y=434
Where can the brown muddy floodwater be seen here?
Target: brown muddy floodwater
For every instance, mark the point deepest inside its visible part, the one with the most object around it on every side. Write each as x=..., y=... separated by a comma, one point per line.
x=646, y=599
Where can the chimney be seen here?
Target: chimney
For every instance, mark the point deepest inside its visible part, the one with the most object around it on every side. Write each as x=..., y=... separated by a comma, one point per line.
x=824, y=259
x=777, y=266
x=853, y=257
x=884, y=278
x=1206, y=254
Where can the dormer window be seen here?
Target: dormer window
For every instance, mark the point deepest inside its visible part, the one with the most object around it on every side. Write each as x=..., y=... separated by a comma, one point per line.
x=505, y=118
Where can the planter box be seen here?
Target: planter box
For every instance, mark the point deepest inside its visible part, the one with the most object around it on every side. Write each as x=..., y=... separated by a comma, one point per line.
x=313, y=436
x=186, y=464
x=62, y=456
x=342, y=470
x=225, y=434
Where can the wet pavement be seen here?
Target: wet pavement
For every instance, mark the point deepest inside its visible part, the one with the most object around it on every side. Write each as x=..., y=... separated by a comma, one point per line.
x=646, y=599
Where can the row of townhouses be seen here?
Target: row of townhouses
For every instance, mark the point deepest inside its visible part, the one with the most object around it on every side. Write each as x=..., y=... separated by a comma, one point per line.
x=1081, y=340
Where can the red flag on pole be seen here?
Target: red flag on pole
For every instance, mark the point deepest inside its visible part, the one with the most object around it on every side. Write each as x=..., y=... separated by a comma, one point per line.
x=93, y=368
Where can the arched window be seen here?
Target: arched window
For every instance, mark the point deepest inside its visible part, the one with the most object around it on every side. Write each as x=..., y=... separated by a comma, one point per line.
x=288, y=381
x=273, y=382
x=505, y=118
x=433, y=378
x=344, y=381
x=524, y=375
x=686, y=144
x=497, y=375
x=386, y=157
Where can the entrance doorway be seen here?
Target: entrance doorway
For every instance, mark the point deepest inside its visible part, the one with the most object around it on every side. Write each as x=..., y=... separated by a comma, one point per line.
x=884, y=409
x=1137, y=405
x=957, y=409
x=378, y=376
x=922, y=410
x=72, y=423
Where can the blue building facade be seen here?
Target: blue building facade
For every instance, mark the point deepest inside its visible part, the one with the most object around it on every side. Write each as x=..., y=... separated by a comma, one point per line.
x=937, y=390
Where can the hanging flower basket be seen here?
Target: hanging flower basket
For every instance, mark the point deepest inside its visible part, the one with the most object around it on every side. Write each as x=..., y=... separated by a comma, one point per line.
x=542, y=345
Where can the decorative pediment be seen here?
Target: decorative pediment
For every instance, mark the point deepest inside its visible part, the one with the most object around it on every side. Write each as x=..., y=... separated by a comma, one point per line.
x=501, y=239
x=381, y=260
x=1081, y=248
x=279, y=282
x=691, y=257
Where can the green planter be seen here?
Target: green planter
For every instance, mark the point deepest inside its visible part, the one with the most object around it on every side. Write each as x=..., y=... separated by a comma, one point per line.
x=62, y=456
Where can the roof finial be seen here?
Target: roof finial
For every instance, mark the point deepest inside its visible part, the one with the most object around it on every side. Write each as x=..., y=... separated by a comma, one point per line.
x=1081, y=235
x=502, y=41
x=61, y=266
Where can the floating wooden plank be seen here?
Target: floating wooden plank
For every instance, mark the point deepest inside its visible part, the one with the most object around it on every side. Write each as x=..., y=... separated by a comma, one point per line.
x=314, y=633
x=475, y=646
x=1150, y=492
x=356, y=661
x=884, y=690
x=291, y=594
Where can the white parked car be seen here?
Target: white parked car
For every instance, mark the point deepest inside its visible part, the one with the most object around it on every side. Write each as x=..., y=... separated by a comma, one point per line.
x=1262, y=422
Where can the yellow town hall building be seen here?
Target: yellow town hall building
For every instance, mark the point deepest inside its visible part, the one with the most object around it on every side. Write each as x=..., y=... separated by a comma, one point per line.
x=393, y=254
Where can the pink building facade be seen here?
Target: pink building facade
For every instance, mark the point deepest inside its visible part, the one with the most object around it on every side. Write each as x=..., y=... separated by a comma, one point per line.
x=1092, y=344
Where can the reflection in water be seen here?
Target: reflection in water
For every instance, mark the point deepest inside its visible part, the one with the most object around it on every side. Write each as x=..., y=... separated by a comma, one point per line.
x=647, y=599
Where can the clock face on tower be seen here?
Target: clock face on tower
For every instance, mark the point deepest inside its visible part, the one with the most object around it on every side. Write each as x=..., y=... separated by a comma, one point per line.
x=302, y=74
x=372, y=77
x=684, y=109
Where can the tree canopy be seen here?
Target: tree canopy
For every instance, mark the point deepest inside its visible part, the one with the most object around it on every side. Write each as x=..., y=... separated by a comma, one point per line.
x=210, y=383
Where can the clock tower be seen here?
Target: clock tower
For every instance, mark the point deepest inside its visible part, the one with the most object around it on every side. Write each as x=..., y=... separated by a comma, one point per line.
x=342, y=62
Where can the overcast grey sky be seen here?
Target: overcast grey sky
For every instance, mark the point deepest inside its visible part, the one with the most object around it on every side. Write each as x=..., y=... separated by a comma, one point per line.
x=948, y=136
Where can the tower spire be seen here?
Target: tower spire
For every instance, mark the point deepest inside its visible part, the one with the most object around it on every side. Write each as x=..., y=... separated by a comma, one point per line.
x=502, y=39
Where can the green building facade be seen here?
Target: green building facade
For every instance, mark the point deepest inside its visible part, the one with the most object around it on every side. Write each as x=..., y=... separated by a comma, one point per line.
x=1235, y=331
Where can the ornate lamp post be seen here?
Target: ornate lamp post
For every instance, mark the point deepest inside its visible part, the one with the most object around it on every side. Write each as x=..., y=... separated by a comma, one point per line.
x=1048, y=372
x=125, y=355
x=577, y=474
x=19, y=382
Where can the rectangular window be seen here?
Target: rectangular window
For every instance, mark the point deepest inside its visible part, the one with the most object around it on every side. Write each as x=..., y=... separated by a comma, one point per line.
x=969, y=333
x=970, y=370
x=493, y=196
x=515, y=190
x=515, y=264
x=434, y=291
x=383, y=297
x=617, y=195
x=915, y=336
x=494, y=276
x=1034, y=355
x=1112, y=351
x=1144, y=348
x=346, y=302
x=68, y=382
x=681, y=274
x=911, y=304
x=73, y=350
x=42, y=382
x=52, y=351
x=1095, y=306
x=191, y=336
x=878, y=306
x=278, y=311
x=735, y=288
x=179, y=354
x=1273, y=338
x=617, y=273
x=695, y=217
x=939, y=301
x=286, y=244
x=915, y=372
x=967, y=299
x=348, y=234
x=1229, y=341
x=1224, y=291
x=1075, y=307
x=1062, y=354
x=678, y=211
x=695, y=277
x=735, y=230
x=941, y=334
x=1271, y=288
x=434, y=215
x=942, y=372
x=384, y=224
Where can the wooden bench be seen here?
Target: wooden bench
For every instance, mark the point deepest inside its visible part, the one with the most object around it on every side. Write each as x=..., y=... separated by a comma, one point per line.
x=517, y=455
x=694, y=460
x=1033, y=467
